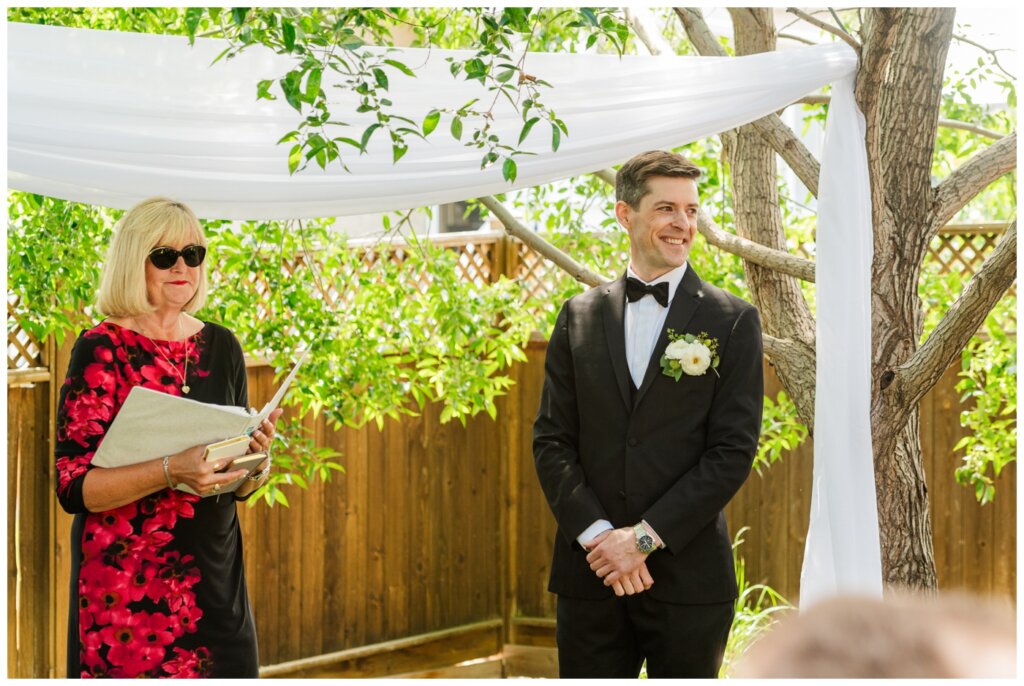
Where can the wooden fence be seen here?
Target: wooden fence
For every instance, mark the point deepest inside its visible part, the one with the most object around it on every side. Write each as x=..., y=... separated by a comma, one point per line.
x=433, y=548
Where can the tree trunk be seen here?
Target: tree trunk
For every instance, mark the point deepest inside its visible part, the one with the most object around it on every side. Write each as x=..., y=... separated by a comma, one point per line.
x=903, y=522
x=898, y=88
x=784, y=311
x=906, y=49
x=901, y=115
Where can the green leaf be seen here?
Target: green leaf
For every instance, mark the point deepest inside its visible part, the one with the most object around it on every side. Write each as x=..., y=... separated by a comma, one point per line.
x=589, y=15
x=508, y=170
x=221, y=54
x=290, y=87
x=366, y=136
x=238, y=15
x=401, y=67
x=526, y=128
x=351, y=42
x=380, y=77
x=313, y=84
x=457, y=128
x=475, y=69
x=263, y=91
x=348, y=141
x=430, y=122
x=294, y=158
x=397, y=151
x=288, y=35
x=192, y=17
x=591, y=40
x=556, y=137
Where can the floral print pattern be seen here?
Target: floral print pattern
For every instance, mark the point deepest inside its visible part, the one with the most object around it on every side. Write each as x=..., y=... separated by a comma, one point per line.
x=136, y=587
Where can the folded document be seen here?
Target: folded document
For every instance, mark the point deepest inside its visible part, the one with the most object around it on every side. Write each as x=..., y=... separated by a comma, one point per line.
x=152, y=424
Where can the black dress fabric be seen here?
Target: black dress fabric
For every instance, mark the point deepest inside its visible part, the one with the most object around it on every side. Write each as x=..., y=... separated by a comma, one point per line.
x=157, y=585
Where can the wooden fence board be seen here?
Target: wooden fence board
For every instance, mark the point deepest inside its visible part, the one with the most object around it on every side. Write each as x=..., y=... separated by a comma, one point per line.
x=411, y=537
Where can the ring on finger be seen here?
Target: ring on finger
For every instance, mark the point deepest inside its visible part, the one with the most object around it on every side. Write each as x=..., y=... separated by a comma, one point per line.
x=216, y=488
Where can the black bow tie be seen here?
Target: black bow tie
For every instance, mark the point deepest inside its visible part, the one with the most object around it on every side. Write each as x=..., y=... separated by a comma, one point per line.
x=636, y=289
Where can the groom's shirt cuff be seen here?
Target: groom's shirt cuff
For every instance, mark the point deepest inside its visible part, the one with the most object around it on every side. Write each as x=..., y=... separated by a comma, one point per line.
x=592, y=531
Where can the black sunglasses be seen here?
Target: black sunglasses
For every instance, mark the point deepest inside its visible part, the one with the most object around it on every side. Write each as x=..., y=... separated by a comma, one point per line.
x=165, y=258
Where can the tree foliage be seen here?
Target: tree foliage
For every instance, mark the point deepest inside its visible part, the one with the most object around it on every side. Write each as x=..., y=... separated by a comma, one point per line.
x=420, y=345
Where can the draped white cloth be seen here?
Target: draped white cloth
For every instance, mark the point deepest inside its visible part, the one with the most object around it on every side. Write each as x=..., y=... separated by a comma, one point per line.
x=110, y=118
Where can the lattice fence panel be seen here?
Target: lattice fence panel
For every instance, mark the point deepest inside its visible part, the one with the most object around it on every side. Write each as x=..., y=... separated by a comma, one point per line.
x=962, y=252
x=23, y=350
x=478, y=261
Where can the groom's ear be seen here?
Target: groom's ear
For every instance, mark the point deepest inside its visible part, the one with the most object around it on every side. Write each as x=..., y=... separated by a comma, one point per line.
x=623, y=213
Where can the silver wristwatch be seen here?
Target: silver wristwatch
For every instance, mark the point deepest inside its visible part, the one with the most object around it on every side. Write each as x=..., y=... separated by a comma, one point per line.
x=644, y=541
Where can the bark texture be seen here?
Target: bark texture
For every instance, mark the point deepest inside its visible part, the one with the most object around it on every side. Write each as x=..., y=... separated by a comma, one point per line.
x=898, y=88
x=784, y=311
x=906, y=113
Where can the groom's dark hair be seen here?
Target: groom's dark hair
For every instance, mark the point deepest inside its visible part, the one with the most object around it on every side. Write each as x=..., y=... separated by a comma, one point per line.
x=631, y=181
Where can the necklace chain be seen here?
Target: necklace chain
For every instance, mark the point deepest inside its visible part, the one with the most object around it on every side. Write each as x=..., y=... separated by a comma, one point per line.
x=184, y=376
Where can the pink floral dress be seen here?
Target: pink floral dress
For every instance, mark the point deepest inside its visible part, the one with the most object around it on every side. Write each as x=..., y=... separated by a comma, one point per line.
x=157, y=585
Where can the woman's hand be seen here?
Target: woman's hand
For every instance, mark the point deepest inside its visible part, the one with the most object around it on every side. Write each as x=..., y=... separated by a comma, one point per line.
x=264, y=435
x=188, y=467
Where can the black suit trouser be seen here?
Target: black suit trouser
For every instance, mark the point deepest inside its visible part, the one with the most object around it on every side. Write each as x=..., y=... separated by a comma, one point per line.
x=611, y=638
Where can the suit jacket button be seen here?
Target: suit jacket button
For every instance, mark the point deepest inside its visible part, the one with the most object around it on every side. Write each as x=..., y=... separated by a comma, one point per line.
x=632, y=442
x=622, y=494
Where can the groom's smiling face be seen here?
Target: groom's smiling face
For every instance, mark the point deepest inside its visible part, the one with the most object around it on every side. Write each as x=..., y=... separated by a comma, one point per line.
x=662, y=228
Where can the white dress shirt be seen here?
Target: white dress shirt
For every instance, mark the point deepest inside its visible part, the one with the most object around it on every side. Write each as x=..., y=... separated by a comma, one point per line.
x=644, y=321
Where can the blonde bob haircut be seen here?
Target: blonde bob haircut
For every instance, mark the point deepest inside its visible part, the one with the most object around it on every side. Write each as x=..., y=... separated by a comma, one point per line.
x=150, y=224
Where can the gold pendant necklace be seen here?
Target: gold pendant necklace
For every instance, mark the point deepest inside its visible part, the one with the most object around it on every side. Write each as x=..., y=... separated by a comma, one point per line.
x=184, y=377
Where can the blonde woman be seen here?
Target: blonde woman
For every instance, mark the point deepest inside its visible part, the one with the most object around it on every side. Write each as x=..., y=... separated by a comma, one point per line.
x=157, y=583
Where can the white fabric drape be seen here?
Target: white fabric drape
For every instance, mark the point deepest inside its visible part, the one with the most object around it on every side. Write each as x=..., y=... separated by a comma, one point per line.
x=842, y=551
x=110, y=118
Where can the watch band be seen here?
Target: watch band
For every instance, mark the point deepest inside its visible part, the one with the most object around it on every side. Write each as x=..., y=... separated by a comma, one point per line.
x=644, y=541
x=259, y=475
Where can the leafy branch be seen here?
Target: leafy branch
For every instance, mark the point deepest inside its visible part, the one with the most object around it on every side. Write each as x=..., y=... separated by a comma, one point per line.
x=330, y=41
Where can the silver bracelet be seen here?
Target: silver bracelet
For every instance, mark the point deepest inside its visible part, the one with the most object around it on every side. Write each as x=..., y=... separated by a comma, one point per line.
x=261, y=475
x=167, y=471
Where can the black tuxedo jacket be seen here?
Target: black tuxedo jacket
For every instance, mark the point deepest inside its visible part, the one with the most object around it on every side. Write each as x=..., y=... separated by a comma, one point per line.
x=673, y=455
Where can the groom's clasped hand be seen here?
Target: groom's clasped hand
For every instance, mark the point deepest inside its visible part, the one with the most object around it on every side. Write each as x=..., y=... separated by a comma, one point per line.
x=614, y=557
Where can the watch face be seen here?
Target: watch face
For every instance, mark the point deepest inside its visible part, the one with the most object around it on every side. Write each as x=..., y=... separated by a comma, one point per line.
x=645, y=544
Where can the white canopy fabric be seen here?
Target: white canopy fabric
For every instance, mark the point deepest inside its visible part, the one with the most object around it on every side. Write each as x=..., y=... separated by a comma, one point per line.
x=110, y=118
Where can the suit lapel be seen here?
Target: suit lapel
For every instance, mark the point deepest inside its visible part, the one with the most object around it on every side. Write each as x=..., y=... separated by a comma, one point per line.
x=613, y=313
x=685, y=303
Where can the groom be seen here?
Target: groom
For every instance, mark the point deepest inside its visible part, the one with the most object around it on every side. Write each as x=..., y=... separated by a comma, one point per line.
x=640, y=444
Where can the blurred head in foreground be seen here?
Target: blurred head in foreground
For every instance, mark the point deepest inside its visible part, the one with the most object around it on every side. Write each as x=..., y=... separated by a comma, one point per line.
x=904, y=636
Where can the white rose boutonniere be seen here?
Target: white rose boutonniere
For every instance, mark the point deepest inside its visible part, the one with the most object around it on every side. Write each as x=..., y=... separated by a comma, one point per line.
x=689, y=354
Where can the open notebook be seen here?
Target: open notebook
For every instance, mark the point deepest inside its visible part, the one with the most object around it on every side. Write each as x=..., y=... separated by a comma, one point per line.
x=152, y=424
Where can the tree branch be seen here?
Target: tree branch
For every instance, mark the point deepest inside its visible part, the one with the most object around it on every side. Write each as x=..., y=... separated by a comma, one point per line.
x=921, y=372
x=756, y=253
x=967, y=181
x=785, y=353
x=776, y=348
x=789, y=148
x=973, y=128
x=826, y=27
x=783, y=262
x=990, y=51
x=943, y=123
x=545, y=249
x=814, y=100
x=643, y=26
x=698, y=32
x=778, y=135
x=606, y=175
x=793, y=36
